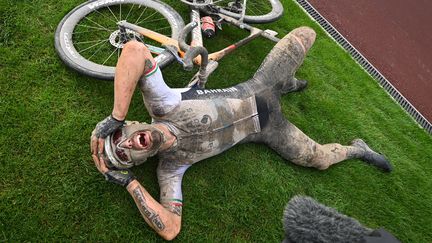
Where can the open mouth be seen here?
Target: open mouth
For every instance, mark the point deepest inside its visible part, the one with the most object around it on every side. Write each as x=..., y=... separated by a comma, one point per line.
x=143, y=140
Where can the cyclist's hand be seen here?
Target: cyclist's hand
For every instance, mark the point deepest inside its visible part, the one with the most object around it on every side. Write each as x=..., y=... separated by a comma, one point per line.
x=100, y=163
x=102, y=130
x=118, y=176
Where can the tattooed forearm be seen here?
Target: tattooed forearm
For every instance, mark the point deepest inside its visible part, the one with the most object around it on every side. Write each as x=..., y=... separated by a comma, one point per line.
x=177, y=210
x=149, y=213
x=173, y=208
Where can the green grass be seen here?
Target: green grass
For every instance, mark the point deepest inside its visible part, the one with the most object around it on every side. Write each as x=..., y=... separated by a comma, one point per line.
x=50, y=190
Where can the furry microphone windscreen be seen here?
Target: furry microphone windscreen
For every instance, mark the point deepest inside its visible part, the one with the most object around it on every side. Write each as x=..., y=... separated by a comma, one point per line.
x=306, y=220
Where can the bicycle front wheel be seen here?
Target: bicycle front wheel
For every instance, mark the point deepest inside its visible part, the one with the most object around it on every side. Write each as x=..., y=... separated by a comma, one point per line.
x=89, y=41
x=257, y=11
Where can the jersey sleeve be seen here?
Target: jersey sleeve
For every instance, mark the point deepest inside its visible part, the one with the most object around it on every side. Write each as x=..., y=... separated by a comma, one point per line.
x=170, y=175
x=159, y=99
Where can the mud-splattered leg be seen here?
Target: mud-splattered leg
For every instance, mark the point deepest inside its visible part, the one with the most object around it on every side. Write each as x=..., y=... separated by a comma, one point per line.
x=278, y=68
x=292, y=144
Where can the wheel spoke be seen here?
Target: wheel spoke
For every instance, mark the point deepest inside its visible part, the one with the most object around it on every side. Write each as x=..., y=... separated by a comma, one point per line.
x=99, y=43
x=87, y=42
x=130, y=11
x=112, y=13
x=80, y=32
x=97, y=24
x=151, y=21
x=148, y=17
x=163, y=28
x=92, y=27
x=107, y=17
x=256, y=9
x=94, y=53
x=249, y=8
x=109, y=56
x=141, y=15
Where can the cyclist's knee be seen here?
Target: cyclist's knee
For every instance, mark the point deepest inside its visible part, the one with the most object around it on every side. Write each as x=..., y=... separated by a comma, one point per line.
x=135, y=47
x=314, y=162
x=321, y=165
x=320, y=159
x=312, y=157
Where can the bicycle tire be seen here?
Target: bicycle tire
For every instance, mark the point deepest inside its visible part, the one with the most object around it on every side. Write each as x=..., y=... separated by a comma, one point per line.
x=66, y=48
x=273, y=11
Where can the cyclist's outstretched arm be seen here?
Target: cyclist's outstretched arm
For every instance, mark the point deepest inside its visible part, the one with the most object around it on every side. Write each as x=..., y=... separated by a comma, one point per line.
x=164, y=220
x=167, y=224
x=133, y=63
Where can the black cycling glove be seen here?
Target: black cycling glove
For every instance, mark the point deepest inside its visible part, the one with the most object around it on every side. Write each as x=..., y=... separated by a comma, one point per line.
x=107, y=126
x=119, y=176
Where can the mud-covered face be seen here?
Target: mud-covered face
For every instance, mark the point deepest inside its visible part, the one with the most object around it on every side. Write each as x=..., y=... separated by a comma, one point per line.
x=132, y=144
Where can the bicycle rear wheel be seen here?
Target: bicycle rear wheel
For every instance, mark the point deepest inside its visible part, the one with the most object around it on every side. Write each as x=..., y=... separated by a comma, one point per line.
x=88, y=39
x=257, y=11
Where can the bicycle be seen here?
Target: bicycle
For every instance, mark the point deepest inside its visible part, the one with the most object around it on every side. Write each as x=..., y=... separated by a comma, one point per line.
x=101, y=25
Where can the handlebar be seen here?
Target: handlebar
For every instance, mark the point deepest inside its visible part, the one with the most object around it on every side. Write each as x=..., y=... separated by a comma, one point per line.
x=193, y=51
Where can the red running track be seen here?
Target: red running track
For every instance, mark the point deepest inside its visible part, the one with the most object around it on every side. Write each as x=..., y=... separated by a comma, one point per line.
x=395, y=36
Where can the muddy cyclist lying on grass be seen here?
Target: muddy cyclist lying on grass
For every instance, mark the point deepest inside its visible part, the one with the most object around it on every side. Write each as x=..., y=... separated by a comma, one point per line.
x=190, y=125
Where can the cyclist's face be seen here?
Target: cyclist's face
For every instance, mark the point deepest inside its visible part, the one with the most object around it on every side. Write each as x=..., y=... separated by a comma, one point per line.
x=140, y=140
x=136, y=144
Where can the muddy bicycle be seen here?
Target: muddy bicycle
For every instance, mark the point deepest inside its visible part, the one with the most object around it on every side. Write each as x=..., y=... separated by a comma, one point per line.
x=90, y=37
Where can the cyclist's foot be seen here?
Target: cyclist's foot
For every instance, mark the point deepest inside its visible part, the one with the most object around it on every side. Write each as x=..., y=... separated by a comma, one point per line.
x=294, y=86
x=372, y=157
x=301, y=85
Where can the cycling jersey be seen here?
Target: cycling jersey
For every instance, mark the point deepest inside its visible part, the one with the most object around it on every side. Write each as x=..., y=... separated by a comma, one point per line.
x=204, y=122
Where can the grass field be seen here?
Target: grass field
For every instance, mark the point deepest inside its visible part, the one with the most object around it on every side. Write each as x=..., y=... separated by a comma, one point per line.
x=51, y=191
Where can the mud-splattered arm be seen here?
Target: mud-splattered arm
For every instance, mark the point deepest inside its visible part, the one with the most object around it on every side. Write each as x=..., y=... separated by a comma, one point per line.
x=164, y=222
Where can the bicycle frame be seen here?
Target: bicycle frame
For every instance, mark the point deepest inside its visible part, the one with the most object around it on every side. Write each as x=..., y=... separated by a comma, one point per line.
x=197, y=39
